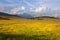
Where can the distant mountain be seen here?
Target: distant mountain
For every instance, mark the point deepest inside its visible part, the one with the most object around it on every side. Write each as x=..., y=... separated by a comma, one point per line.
x=6, y=14
x=47, y=17
x=25, y=15
x=44, y=17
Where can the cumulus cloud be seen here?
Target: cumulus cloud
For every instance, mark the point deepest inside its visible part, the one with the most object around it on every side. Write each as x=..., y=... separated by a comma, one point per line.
x=17, y=10
x=35, y=7
x=40, y=9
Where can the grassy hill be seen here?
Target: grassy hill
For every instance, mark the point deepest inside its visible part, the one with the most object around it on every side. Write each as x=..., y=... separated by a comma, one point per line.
x=29, y=29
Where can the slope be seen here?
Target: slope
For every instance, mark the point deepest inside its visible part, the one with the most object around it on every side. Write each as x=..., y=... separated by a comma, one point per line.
x=31, y=29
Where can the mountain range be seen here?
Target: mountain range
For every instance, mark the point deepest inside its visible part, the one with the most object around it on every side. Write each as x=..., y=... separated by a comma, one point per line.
x=24, y=15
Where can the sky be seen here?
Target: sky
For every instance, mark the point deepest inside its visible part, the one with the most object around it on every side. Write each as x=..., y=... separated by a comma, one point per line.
x=32, y=7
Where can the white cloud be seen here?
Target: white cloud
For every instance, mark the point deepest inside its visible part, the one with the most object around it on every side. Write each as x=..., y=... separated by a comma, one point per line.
x=17, y=10
x=37, y=11
x=40, y=9
x=44, y=11
x=22, y=8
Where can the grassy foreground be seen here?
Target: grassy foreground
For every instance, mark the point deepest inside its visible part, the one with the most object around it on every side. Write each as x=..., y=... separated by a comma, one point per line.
x=30, y=29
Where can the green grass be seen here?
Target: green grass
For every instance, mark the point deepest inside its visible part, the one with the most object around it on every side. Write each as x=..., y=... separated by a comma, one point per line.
x=27, y=37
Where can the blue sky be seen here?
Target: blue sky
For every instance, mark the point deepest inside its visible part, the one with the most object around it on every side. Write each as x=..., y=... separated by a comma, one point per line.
x=38, y=7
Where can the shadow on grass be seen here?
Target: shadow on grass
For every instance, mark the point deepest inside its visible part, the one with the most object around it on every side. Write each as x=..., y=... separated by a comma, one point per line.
x=24, y=37
x=1, y=18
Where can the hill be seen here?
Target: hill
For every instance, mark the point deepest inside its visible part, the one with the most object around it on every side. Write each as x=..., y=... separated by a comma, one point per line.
x=6, y=16
x=17, y=28
x=44, y=17
x=25, y=15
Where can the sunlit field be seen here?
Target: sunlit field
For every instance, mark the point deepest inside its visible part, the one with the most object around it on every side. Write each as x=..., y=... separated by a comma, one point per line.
x=30, y=29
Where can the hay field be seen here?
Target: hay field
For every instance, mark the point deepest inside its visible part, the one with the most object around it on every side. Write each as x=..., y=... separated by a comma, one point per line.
x=30, y=29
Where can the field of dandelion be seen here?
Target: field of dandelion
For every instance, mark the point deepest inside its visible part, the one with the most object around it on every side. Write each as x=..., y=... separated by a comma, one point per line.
x=30, y=29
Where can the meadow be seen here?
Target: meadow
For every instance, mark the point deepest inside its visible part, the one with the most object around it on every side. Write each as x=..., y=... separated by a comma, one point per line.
x=29, y=29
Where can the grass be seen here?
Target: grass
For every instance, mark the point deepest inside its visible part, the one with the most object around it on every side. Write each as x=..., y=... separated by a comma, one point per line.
x=26, y=37
x=30, y=29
